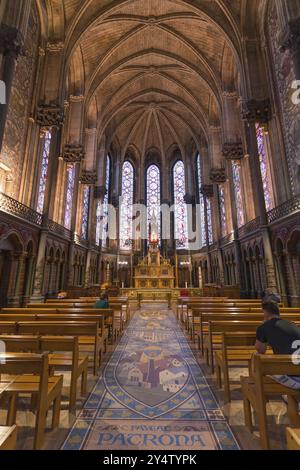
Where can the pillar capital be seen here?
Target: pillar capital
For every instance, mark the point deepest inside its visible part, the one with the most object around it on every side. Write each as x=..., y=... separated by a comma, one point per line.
x=233, y=150
x=49, y=115
x=11, y=41
x=55, y=47
x=257, y=111
x=73, y=153
x=218, y=175
x=88, y=177
x=290, y=39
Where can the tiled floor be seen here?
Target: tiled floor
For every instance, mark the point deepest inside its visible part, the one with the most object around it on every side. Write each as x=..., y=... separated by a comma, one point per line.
x=169, y=402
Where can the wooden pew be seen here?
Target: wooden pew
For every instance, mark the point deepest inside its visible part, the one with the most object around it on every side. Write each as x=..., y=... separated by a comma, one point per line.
x=108, y=314
x=257, y=389
x=76, y=363
x=236, y=348
x=8, y=437
x=293, y=438
x=212, y=339
x=31, y=377
x=88, y=333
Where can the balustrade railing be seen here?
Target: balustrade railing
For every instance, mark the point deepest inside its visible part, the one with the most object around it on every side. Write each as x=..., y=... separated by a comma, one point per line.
x=16, y=208
x=250, y=227
x=287, y=208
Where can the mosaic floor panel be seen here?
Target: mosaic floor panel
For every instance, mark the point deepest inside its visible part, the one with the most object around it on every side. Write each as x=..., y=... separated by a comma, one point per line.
x=152, y=395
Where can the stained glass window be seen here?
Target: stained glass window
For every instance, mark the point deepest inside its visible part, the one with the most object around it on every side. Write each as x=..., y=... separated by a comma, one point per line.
x=126, y=212
x=69, y=195
x=98, y=222
x=44, y=171
x=201, y=202
x=222, y=207
x=236, y=173
x=181, y=225
x=153, y=194
x=85, y=212
x=102, y=208
x=209, y=221
x=264, y=166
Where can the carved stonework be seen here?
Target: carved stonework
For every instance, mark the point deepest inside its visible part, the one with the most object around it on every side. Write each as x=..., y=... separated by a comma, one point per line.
x=11, y=41
x=207, y=190
x=50, y=115
x=257, y=111
x=291, y=37
x=233, y=150
x=218, y=175
x=73, y=153
x=99, y=192
x=55, y=47
x=88, y=177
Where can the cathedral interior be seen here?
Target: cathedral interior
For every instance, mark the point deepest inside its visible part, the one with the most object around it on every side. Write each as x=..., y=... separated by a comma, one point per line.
x=111, y=107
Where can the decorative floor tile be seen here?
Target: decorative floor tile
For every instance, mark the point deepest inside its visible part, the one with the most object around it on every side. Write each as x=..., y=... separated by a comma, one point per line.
x=152, y=395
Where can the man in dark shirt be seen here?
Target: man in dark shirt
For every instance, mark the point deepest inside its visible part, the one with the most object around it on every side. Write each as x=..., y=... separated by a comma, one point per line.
x=282, y=335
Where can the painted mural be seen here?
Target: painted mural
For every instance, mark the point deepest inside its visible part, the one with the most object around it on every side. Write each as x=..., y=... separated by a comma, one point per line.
x=284, y=74
x=13, y=150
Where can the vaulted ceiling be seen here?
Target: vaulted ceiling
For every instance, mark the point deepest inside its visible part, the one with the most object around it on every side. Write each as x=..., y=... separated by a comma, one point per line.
x=152, y=71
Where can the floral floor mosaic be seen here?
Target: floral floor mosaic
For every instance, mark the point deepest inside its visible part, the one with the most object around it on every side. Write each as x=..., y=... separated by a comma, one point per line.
x=152, y=395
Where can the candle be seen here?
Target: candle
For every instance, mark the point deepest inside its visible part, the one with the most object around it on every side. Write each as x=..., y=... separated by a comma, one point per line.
x=186, y=284
x=122, y=284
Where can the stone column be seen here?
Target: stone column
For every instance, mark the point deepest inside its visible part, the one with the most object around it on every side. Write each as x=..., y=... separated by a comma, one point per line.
x=218, y=177
x=37, y=295
x=208, y=192
x=259, y=112
x=11, y=42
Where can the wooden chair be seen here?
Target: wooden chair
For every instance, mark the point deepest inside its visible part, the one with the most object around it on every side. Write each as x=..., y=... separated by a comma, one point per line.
x=8, y=437
x=257, y=389
x=32, y=378
x=293, y=438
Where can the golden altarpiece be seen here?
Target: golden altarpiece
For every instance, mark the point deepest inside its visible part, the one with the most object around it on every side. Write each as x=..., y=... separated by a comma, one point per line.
x=154, y=271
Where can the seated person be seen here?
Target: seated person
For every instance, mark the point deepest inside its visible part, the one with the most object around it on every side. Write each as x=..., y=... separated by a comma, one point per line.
x=270, y=296
x=282, y=335
x=102, y=302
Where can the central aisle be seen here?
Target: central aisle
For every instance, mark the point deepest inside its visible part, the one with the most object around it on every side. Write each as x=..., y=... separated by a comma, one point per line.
x=152, y=395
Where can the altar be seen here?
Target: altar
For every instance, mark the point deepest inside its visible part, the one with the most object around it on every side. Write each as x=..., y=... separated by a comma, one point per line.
x=154, y=272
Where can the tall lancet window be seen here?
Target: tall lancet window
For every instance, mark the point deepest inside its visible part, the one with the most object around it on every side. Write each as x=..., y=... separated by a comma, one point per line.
x=102, y=208
x=85, y=212
x=237, y=183
x=69, y=195
x=201, y=201
x=264, y=166
x=209, y=222
x=180, y=214
x=153, y=195
x=44, y=170
x=126, y=212
x=222, y=208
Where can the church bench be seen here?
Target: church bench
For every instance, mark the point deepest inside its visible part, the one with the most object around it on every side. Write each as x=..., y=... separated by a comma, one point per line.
x=260, y=386
x=31, y=377
x=75, y=362
x=232, y=305
x=8, y=437
x=236, y=348
x=200, y=317
x=110, y=320
x=87, y=332
x=212, y=338
x=293, y=438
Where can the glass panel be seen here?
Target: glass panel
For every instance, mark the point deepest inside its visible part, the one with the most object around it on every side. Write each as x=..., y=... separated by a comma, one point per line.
x=209, y=222
x=222, y=207
x=264, y=166
x=69, y=195
x=153, y=195
x=102, y=209
x=126, y=206
x=44, y=171
x=85, y=212
x=201, y=202
x=181, y=226
x=236, y=173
